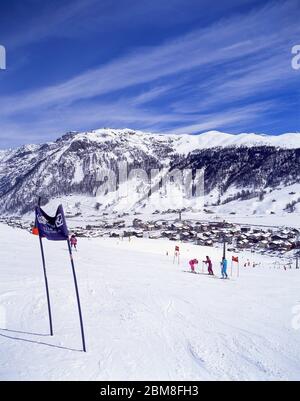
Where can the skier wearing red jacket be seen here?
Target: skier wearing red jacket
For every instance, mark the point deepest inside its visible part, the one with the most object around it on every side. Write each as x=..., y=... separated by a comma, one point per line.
x=209, y=264
x=73, y=241
x=192, y=263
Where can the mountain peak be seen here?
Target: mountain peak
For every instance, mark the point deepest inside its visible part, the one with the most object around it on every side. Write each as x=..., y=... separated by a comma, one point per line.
x=186, y=143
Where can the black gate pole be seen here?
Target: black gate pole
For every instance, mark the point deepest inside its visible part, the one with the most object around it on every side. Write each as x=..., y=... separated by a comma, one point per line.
x=46, y=279
x=77, y=296
x=224, y=249
x=47, y=287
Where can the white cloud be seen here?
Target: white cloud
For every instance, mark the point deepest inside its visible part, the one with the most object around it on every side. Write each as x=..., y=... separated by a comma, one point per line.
x=227, y=40
x=252, y=45
x=237, y=116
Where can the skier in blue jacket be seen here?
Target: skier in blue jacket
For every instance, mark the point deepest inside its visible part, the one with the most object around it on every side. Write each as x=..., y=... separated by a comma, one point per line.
x=224, y=265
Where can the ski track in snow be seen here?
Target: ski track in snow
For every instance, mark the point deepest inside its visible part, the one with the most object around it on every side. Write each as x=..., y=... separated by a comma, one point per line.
x=144, y=318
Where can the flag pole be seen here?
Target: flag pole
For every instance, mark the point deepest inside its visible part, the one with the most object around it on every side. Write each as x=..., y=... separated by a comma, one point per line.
x=77, y=296
x=224, y=247
x=46, y=286
x=46, y=281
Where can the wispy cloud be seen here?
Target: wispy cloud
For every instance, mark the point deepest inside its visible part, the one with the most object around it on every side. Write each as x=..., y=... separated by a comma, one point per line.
x=53, y=21
x=241, y=82
x=77, y=18
x=236, y=116
x=237, y=58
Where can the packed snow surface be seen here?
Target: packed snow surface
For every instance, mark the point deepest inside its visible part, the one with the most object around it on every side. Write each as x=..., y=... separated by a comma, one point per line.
x=145, y=318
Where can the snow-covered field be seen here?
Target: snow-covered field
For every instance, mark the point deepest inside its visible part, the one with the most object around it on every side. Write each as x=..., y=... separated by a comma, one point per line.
x=144, y=317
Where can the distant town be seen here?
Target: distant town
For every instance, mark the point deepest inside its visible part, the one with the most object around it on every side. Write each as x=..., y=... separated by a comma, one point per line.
x=260, y=239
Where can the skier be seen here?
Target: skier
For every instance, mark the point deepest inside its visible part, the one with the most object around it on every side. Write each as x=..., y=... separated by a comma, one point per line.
x=224, y=265
x=209, y=264
x=73, y=241
x=193, y=262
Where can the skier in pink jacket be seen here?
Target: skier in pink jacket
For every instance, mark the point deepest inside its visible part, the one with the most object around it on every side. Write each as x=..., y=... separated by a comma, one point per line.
x=73, y=241
x=208, y=262
x=192, y=263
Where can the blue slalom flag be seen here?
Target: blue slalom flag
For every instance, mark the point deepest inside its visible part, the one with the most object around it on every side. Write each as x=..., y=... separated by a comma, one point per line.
x=53, y=228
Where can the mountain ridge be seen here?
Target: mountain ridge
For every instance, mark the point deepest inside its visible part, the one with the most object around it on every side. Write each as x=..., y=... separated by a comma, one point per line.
x=205, y=139
x=75, y=164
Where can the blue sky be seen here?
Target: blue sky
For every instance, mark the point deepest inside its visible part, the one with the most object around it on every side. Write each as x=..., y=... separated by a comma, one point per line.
x=180, y=66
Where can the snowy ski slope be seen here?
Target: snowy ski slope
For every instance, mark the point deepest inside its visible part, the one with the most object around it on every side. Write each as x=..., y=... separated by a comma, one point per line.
x=145, y=318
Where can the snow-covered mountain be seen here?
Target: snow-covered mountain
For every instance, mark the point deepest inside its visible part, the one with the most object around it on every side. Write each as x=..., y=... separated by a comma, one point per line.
x=84, y=169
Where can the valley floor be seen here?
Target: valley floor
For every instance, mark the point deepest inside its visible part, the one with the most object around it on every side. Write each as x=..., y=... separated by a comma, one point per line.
x=145, y=318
